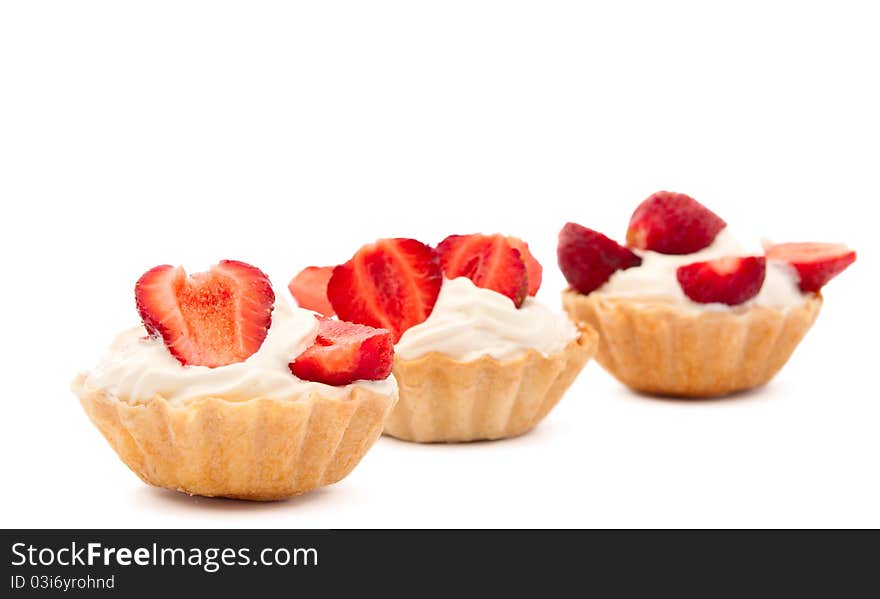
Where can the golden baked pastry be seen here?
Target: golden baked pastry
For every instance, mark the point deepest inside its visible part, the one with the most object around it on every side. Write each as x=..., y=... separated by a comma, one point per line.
x=445, y=400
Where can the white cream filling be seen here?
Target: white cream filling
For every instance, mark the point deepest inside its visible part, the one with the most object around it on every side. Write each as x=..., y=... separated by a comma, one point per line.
x=136, y=368
x=656, y=278
x=469, y=322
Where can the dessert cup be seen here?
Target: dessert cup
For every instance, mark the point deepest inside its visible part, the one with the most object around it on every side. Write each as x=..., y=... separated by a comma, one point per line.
x=686, y=310
x=476, y=356
x=259, y=449
x=446, y=400
x=655, y=346
x=226, y=391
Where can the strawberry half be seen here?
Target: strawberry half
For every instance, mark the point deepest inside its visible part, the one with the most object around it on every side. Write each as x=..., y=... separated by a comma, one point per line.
x=672, y=223
x=588, y=259
x=309, y=289
x=391, y=284
x=490, y=261
x=209, y=318
x=344, y=352
x=533, y=268
x=816, y=263
x=731, y=280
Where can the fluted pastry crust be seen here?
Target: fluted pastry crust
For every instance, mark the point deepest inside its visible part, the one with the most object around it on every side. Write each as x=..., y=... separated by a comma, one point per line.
x=655, y=347
x=445, y=400
x=261, y=449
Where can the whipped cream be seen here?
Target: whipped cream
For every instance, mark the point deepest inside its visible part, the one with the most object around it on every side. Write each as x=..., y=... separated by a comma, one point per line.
x=468, y=322
x=656, y=278
x=137, y=367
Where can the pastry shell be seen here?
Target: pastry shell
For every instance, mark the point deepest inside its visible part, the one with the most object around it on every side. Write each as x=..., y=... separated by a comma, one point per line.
x=445, y=400
x=654, y=347
x=262, y=449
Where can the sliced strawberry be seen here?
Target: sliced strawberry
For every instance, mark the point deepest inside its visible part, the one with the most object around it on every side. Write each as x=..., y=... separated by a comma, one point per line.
x=390, y=284
x=210, y=318
x=490, y=261
x=533, y=267
x=309, y=289
x=588, y=259
x=816, y=263
x=344, y=352
x=731, y=280
x=672, y=223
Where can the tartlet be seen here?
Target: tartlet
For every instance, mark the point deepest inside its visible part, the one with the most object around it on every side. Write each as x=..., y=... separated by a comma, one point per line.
x=476, y=357
x=657, y=348
x=447, y=400
x=260, y=449
x=228, y=392
x=684, y=311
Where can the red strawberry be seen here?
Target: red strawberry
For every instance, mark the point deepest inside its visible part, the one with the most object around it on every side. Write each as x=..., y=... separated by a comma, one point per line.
x=672, y=223
x=490, y=261
x=344, y=352
x=588, y=258
x=210, y=318
x=730, y=280
x=816, y=263
x=391, y=284
x=533, y=267
x=309, y=289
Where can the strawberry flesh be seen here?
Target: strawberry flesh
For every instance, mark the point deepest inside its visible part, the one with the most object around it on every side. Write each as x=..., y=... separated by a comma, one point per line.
x=588, y=259
x=490, y=261
x=672, y=223
x=211, y=318
x=731, y=280
x=815, y=263
x=391, y=284
x=309, y=289
x=533, y=268
x=344, y=352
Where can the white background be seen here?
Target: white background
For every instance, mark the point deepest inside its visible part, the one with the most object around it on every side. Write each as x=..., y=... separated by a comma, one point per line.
x=286, y=135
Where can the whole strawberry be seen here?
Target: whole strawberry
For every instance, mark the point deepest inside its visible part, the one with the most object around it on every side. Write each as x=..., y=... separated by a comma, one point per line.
x=672, y=223
x=587, y=258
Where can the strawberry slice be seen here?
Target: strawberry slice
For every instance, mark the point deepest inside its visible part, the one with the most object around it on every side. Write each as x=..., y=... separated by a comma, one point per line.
x=816, y=263
x=533, y=268
x=309, y=289
x=672, y=223
x=390, y=284
x=730, y=280
x=490, y=261
x=344, y=352
x=588, y=259
x=209, y=318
